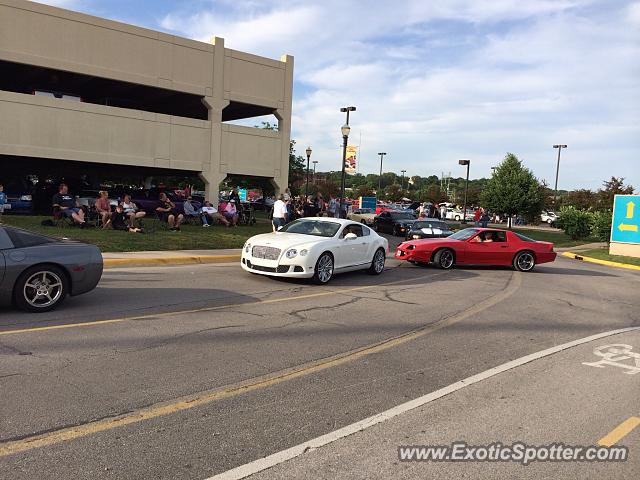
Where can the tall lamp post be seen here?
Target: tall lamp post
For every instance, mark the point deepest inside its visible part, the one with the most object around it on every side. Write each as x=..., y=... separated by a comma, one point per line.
x=379, y=192
x=466, y=189
x=555, y=190
x=306, y=190
x=314, y=170
x=345, y=138
x=402, y=181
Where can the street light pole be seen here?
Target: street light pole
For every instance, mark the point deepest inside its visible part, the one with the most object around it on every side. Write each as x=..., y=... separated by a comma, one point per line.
x=345, y=138
x=382, y=154
x=555, y=190
x=466, y=189
x=402, y=181
x=306, y=190
x=314, y=170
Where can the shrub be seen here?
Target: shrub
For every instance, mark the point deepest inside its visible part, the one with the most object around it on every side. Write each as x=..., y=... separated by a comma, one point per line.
x=575, y=223
x=601, y=225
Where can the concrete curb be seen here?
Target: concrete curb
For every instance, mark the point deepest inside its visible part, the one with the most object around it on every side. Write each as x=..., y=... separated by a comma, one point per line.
x=169, y=260
x=608, y=263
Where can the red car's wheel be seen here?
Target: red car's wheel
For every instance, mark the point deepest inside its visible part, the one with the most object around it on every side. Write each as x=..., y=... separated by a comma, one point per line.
x=524, y=261
x=444, y=258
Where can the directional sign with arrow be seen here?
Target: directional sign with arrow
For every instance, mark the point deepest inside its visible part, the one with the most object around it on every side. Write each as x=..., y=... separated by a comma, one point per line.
x=626, y=219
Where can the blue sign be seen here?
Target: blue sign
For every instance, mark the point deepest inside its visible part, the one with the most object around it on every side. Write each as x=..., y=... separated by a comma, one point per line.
x=625, y=227
x=242, y=193
x=368, y=202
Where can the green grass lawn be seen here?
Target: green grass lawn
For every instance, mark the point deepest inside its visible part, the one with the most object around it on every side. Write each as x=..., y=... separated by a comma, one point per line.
x=603, y=254
x=191, y=237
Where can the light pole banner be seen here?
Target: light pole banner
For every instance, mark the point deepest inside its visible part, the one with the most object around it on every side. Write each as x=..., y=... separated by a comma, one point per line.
x=350, y=162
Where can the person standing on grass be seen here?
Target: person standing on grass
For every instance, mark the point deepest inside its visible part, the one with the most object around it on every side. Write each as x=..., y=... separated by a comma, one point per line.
x=279, y=213
x=3, y=201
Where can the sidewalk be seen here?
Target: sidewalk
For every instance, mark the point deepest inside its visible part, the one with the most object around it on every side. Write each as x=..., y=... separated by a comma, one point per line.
x=583, y=395
x=169, y=257
x=582, y=248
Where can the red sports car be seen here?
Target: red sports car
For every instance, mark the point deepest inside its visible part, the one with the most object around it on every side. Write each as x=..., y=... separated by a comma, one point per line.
x=478, y=246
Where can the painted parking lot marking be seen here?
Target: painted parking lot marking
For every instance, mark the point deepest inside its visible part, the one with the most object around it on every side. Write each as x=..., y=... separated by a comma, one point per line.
x=618, y=433
x=617, y=355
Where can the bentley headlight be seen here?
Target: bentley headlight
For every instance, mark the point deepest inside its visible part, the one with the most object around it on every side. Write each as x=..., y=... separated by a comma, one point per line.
x=247, y=247
x=303, y=252
x=291, y=253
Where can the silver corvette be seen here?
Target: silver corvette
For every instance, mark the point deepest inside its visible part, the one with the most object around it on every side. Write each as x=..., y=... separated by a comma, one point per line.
x=38, y=272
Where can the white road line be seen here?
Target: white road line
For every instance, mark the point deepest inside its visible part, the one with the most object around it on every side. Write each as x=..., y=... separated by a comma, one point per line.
x=262, y=464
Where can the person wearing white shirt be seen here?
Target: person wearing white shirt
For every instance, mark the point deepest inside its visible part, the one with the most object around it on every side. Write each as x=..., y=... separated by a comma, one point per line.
x=279, y=213
x=209, y=212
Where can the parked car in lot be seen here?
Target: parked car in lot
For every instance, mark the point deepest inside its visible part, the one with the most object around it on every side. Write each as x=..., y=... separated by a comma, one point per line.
x=396, y=223
x=38, y=272
x=317, y=248
x=478, y=246
x=428, y=228
x=362, y=215
x=453, y=214
x=549, y=217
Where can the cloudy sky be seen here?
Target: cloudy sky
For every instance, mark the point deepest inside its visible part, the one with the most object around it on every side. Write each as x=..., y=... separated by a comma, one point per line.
x=434, y=82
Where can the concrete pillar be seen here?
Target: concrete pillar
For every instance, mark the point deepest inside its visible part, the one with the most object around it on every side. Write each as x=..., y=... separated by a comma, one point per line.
x=214, y=174
x=283, y=114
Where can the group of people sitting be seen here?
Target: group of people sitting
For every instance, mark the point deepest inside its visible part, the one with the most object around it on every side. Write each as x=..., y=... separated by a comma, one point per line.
x=126, y=214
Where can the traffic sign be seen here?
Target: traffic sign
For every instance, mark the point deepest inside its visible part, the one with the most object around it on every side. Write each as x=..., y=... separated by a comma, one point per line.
x=625, y=227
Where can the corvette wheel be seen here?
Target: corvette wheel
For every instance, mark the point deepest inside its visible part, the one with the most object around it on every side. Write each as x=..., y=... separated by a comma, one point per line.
x=40, y=289
x=444, y=259
x=524, y=261
x=324, y=269
x=377, y=264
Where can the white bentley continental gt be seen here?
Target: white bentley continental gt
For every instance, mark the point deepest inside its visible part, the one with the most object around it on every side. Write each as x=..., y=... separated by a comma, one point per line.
x=315, y=247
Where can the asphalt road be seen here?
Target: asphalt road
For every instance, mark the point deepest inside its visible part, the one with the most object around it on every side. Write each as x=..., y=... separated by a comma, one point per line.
x=186, y=372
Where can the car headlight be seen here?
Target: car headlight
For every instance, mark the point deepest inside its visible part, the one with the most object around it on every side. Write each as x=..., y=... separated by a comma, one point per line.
x=303, y=252
x=247, y=247
x=291, y=253
x=26, y=198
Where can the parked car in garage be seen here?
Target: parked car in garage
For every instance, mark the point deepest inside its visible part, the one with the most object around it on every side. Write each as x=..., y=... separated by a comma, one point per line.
x=394, y=222
x=478, y=246
x=428, y=228
x=315, y=247
x=362, y=215
x=37, y=272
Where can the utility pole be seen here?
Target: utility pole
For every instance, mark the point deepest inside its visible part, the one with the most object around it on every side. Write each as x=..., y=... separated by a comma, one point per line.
x=382, y=154
x=555, y=190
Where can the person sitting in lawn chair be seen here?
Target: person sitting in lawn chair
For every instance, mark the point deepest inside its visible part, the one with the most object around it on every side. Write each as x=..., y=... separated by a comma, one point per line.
x=231, y=212
x=190, y=212
x=131, y=209
x=210, y=213
x=120, y=220
x=66, y=205
x=103, y=208
x=167, y=213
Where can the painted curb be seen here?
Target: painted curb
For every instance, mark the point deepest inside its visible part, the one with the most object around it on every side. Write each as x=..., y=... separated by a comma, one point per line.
x=576, y=256
x=159, y=261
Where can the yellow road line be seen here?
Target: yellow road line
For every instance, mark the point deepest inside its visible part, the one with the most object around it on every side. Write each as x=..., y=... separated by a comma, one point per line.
x=210, y=309
x=204, y=398
x=577, y=256
x=618, y=433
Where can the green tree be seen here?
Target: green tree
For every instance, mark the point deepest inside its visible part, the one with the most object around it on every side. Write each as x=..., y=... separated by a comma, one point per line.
x=513, y=190
x=583, y=199
x=611, y=188
x=363, y=191
x=394, y=193
x=297, y=169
